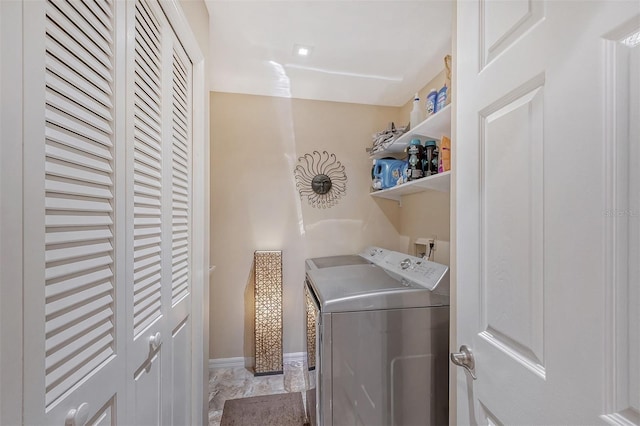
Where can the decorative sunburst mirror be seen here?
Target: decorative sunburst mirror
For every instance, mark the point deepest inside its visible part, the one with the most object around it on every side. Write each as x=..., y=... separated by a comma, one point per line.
x=320, y=178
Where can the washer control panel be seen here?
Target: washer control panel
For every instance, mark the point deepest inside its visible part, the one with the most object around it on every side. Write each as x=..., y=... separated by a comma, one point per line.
x=413, y=269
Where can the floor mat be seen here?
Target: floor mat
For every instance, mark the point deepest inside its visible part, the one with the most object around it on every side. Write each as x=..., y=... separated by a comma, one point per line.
x=284, y=409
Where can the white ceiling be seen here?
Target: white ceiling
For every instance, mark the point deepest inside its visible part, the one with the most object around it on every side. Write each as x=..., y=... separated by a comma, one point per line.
x=368, y=52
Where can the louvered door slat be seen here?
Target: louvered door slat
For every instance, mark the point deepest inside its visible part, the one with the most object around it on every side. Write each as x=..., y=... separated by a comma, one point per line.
x=84, y=341
x=147, y=26
x=180, y=196
x=57, y=289
x=179, y=99
x=79, y=284
x=180, y=104
x=147, y=121
x=60, y=69
x=97, y=27
x=68, y=252
x=142, y=95
x=71, y=91
x=91, y=71
x=87, y=360
x=56, y=341
x=180, y=128
x=68, y=153
x=145, y=41
x=181, y=177
x=104, y=14
x=146, y=278
x=96, y=151
x=77, y=204
x=146, y=156
x=60, y=219
x=182, y=157
x=147, y=170
x=77, y=52
x=180, y=121
x=58, y=271
x=181, y=173
x=146, y=143
x=147, y=173
x=149, y=251
x=146, y=190
x=77, y=111
x=68, y=168
x=66, y=186
x=148, y=69
x=57, y=118
x=91, y=43
x=73, y=235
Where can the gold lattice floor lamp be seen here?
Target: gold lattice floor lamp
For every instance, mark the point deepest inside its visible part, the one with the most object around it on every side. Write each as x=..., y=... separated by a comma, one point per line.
x=268, y=312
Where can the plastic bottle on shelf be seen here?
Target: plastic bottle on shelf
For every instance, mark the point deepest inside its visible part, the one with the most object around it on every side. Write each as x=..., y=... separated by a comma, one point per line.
x=431, y=102
x=415, y=153
x=441, y=99
x=430, y=158
x=416, y=113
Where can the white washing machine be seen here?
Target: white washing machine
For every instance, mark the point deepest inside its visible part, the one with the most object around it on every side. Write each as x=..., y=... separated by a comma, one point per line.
x=377, y=340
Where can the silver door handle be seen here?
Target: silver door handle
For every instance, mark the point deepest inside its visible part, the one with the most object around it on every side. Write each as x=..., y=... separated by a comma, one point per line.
x=464, y=359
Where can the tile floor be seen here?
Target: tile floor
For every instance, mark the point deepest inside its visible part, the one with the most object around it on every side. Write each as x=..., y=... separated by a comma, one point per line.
x=232, y=383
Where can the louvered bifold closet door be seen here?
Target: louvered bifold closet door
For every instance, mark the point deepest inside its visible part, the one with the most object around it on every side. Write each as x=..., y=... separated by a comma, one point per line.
x=147, y=171
x=178, y=382
x=147, y=240
x=72, y=288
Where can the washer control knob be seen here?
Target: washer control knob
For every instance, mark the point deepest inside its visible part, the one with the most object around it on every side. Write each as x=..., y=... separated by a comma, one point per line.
x=405, y=263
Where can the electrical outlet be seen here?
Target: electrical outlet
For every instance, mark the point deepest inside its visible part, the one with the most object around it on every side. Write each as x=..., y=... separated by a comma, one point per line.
x=432, y=241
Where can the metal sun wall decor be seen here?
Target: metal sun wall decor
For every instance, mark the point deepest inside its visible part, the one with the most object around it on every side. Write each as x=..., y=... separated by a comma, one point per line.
x=321, y=178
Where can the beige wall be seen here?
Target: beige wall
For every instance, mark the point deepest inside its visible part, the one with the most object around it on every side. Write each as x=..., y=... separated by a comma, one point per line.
x=255, y=144
x=426, y=215
x=435, y=83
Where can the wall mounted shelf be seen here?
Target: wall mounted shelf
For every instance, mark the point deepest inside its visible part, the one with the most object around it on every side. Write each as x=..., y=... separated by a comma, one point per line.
x=440, y=182
x=434, y=127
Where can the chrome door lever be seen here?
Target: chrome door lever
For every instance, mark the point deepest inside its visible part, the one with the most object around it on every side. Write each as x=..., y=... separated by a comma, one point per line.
x=464, y=359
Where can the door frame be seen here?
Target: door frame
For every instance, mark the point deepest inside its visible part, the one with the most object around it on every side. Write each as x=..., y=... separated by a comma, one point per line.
x=453, y=271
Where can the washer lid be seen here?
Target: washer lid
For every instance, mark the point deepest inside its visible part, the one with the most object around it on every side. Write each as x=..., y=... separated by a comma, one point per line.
x=368, y=287
x=332, y=261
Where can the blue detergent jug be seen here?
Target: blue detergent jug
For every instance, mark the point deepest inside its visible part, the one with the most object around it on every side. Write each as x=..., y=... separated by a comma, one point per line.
x=388, y=173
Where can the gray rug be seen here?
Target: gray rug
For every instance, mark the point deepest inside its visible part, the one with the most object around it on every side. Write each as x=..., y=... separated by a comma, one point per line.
x=284, y=409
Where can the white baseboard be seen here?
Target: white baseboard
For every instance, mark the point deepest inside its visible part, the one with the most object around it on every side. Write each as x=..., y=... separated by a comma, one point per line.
x=230, y=362
x=294, y=357
x=242, y=361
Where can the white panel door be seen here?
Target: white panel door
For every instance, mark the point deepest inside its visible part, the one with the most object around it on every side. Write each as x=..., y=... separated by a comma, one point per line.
x=530, y=184
x=73, y=287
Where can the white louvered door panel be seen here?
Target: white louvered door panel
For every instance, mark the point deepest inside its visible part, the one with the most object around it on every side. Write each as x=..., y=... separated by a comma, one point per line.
x=72, y=290
x=148, y=270
x=177, y=375
x=147, y=171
